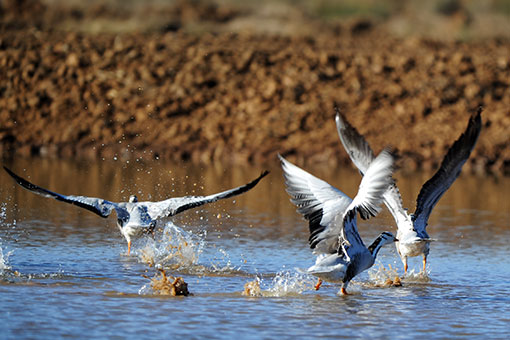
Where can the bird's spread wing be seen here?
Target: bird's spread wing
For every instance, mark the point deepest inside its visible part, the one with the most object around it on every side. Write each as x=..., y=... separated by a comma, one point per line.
x=354, y=143
x=369, y=197
x=98, y=206
x=374, y=184
x=173, y=206
x=319, y=203
x=362, y=155
x=448, y=172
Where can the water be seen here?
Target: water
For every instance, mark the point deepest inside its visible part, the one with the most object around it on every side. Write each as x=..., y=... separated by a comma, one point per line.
x=64, y=272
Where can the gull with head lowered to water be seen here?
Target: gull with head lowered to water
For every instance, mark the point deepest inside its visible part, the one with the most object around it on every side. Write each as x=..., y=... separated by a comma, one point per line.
x=411, y=232
x=135, y=218
x=334, y=238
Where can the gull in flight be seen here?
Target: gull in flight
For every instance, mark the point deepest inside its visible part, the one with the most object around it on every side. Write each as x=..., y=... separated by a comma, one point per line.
x=413, y=239
x=334, y=238
x=135, y=218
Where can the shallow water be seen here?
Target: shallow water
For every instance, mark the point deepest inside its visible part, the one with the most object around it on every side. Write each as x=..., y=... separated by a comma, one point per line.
x=63, y=272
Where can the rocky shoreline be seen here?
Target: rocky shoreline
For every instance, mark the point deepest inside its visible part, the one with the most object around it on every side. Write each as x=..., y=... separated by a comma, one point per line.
x=244, y=97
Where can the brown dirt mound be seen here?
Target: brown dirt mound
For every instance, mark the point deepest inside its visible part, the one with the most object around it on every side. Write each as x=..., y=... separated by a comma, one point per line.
x=238, y=97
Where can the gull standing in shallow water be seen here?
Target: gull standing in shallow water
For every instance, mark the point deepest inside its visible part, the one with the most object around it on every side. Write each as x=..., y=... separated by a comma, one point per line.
x=334, y=238
x=135, y=218
x=413, y=239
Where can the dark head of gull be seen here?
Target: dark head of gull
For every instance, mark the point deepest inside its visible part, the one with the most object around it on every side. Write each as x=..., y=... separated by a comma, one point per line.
x=385, y=238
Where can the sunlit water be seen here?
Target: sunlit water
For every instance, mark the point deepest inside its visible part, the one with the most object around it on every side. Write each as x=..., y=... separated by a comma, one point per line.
x=64, y=272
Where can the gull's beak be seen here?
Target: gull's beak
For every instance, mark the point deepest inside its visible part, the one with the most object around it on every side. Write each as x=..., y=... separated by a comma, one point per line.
x=396, y=240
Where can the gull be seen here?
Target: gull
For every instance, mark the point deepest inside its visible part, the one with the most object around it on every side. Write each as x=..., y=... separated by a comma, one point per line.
x=135, y=218
x=411, y=228
x=334, y=238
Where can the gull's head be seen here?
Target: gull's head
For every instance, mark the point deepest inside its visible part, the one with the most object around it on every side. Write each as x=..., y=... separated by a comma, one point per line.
x=387, y=237
x=133, y=199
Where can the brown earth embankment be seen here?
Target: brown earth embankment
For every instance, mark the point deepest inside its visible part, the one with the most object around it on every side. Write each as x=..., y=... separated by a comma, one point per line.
x=243, y=97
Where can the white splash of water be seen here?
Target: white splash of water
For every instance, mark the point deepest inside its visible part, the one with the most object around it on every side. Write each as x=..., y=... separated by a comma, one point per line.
x=4, y=260
x=381, y=276
x=222, y=263
x=290, y=283
x=3, y=217
x=174, y=249
x=285, y=283
x=419, y=277
x=3, y=212
x=146, y=289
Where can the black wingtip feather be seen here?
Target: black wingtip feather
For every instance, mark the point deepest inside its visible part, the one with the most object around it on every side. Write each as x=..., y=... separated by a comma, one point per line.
x=232, y=193
x=365, y=214
x=24, y=183
x=314, y=226
x=457, y=155
x=59, y=197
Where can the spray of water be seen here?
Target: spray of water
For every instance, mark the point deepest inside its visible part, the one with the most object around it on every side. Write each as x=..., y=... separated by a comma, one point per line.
x=381, y=276
x=174, y=249
x=284, y=283
x=179, y=250
x=416, y=277
x=4, y=259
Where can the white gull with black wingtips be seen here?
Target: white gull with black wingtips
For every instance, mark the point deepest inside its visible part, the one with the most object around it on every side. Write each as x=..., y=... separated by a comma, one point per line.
x=135, y=218
x=413, y=239
x=334, y=238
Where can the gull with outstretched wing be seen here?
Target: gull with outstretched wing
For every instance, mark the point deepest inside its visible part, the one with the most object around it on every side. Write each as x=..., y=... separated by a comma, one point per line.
x=334, y=238
x=135, y=218
x=411, y=233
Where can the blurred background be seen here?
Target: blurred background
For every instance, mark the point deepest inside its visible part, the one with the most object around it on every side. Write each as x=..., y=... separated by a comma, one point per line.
x=439, y=19
x=239, y=81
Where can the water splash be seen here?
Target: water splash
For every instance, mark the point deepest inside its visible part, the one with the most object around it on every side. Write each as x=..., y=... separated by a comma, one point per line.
x=175, y=248
x=413, y=277
x=380, y=276
x=290, y=283
x=4, y=260
x=285, y=283
x=252, y=288
x=222, y=263
x=180, y=250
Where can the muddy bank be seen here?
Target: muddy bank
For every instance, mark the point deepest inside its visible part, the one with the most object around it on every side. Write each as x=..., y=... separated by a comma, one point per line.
x=243, y=97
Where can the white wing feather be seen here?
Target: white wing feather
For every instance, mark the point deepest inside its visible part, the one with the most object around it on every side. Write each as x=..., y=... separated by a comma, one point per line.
x=319, y=203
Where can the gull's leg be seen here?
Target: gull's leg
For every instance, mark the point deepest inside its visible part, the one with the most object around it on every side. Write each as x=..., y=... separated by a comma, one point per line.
x=129, y=247
x=318, y=285
x=424, y=262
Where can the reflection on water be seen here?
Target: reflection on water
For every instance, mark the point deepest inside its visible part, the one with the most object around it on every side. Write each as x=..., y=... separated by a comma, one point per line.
x=63, y=270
